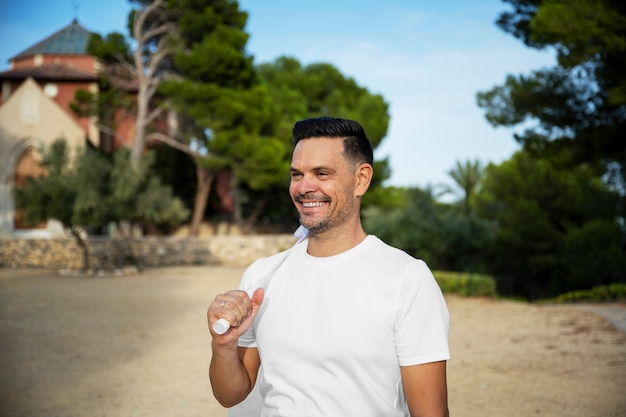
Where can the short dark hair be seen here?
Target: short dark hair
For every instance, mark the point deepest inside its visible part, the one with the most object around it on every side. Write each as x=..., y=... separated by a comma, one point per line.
x=356, y=146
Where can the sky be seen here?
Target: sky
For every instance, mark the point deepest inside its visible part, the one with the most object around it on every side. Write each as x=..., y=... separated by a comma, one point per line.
x=426, y=58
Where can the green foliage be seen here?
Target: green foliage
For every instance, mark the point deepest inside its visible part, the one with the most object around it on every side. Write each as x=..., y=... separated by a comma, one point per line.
x=443, y=235
x=467, y=176
x=156, y=205
x=547, y=222
x=581, y=30
x=602, y=293
x=298, y=92
x=413, y=228
x=579, y=105
x=327, y=92
x=466, y=237
x=385, y=198
x=65, y=193
x=560, y=225
x=231, y=114
x=104, y=106
x=597, y=242
x=466, y=284
x=138, y=197
x=213, y=37
x=91, y=191
x=113, y=48
x=226, y=114
x=175, y=169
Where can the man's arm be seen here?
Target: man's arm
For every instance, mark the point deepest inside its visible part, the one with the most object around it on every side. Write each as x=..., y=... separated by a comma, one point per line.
x=426, y=389
x=233, y=370
x=233, y=374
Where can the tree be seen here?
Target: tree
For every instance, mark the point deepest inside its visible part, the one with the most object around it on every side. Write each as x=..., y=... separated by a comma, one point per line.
x=228, y=118
x=63, y=195
x=466, y=234
x=189, y=59
x=152, y=28
x=320, y=89
x=135, y=195
x=543, y=215
x=414, y=227
x=104, y=107
x=90, y=191
x=578, y=115
x=222, y=106
x=467, y=177
x=441, y=234
x=579, y=106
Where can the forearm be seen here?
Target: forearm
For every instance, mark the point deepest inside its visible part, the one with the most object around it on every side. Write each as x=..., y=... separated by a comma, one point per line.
x=441, y=412
x=230, y=381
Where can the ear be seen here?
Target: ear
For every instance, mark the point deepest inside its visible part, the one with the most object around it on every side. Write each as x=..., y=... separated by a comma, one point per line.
x=363, y=178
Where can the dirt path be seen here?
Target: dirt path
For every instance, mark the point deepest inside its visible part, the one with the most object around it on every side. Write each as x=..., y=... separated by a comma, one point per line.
x=138, y=346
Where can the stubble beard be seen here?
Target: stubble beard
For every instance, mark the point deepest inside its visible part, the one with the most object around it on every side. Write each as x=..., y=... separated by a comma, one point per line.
x=329, y=221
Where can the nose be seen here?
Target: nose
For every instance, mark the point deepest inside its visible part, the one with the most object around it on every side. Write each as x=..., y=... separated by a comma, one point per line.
x=305, y=184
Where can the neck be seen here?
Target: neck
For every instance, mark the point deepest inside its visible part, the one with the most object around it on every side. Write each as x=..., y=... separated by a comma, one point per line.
x=334, y=242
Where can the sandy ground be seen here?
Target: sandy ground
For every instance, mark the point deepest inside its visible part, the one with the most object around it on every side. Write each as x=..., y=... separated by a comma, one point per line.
x=138, y=346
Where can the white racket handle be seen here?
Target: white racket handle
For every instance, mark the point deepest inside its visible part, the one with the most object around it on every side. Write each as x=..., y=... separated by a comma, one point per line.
x=221, y=326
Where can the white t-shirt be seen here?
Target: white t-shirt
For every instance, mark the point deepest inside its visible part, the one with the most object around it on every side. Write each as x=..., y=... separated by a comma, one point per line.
x=333, y=332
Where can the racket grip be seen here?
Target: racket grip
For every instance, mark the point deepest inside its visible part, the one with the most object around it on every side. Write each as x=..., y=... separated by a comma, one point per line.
x=221, y=326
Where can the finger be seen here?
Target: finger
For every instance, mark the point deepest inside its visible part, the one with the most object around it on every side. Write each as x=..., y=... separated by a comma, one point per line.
x=257, y=297
x=233, y=306
x=239, y=304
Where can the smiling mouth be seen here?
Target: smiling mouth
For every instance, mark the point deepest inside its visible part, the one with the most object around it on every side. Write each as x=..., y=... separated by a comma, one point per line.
x=313, y=204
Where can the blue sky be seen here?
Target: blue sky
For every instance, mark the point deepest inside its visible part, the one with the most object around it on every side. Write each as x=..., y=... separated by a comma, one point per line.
x=426, y=58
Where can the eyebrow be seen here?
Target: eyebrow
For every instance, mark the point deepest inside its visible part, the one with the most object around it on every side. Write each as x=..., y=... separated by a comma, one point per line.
x=315, y=169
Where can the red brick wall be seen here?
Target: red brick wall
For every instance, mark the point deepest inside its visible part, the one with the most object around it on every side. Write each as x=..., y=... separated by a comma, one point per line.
x=83, y=62
x=65, y=95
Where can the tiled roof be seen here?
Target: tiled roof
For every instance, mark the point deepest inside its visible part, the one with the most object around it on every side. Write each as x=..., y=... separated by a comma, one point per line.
x=50, y=72
x=71, y=40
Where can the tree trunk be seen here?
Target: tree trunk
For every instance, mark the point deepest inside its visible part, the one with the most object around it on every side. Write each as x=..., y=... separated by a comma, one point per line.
x=140, y=129
x=83, y=246
x=203, y=189
x=254, y=216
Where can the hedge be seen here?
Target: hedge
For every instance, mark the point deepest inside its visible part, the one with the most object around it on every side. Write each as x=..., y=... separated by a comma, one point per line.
x=466, y=284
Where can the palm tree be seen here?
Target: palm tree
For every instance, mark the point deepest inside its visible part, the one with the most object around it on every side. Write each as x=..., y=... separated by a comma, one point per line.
x=467, y=176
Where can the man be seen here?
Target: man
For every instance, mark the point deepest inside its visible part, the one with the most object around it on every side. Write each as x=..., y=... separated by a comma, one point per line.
x=347, y=325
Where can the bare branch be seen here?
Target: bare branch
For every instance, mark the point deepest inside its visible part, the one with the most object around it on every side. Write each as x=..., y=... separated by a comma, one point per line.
x=173, y=143
x=159, y=30
x=121, y=60
x=155, y=59
x=140, y=18
x=123, y=139
x=151, y=87
x=139, y=68
x=153, y=115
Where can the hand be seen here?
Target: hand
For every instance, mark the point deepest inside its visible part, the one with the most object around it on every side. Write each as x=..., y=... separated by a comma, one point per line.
x=238, y=309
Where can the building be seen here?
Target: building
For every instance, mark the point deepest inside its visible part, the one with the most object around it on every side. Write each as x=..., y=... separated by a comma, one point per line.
x=35, y=111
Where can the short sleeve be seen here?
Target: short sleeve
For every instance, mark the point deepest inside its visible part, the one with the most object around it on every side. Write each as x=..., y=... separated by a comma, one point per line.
x=422, y=321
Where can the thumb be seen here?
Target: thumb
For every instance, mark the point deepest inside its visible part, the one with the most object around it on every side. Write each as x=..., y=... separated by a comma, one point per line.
x=257, y=298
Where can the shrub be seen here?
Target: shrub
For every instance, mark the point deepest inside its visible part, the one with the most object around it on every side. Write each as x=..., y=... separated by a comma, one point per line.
x=466, y=284
x=611, y=292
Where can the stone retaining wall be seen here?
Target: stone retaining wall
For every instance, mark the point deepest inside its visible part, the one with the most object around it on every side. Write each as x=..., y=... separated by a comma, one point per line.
x=113, y=253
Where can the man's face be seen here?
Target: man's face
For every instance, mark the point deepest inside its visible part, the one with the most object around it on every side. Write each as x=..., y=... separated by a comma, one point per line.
x=323, y=184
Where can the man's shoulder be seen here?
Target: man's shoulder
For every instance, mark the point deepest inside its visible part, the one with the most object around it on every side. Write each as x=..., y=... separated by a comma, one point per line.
x=395, y=254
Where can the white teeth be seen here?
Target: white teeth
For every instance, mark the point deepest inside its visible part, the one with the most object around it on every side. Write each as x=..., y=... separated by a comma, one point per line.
x=316, y=204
